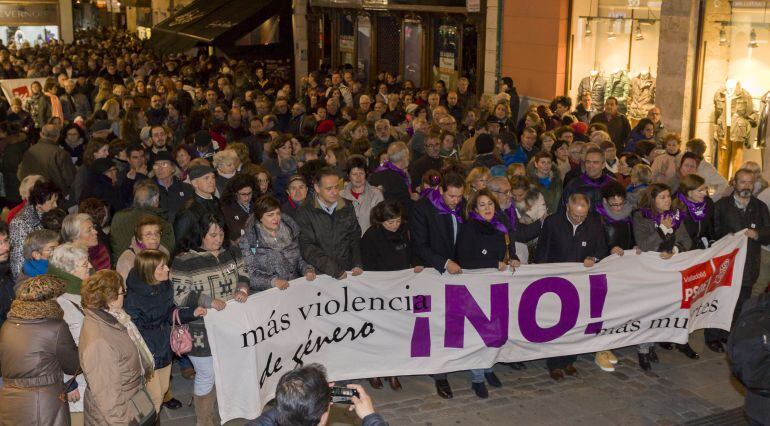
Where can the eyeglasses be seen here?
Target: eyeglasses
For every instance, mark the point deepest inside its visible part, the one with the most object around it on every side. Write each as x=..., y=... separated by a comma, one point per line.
x=508, y=192
x=617, y=204
x=122, y=292
x=246, y=194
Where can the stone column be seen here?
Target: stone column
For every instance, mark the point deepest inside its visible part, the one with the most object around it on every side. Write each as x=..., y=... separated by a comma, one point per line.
x=66, y=30
x=676, y=62
x=490, y=46
x=299, y=28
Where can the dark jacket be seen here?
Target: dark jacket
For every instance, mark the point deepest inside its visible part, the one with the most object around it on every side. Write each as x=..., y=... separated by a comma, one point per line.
x=649, y=236
x=619, y=234
x=100, y=186
x=7, y=293
x=618, y=126
x=728, y=218
x=174, y=198
x=558, y=242
x=382, y=250
x=481, y=245
x=579, y=186
x=331, y=243
x=270, y=418
x=48, y=159
x=422, y=165
x=194, y=209
x=703, y=229
x=432, y=235
x=151, y=308
x=12, y=151
x=393, y=188
x=235, y=218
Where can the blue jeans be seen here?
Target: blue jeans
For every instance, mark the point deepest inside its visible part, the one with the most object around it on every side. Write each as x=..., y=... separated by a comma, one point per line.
x=477, y=374
x=204, y=374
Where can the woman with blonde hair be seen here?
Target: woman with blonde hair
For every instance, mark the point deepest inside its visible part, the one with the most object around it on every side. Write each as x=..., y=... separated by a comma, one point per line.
x=641, y=177
x=477, y=179
x=227, y=163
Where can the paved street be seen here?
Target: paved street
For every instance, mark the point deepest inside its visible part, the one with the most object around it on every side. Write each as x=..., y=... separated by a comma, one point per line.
x=678, y=390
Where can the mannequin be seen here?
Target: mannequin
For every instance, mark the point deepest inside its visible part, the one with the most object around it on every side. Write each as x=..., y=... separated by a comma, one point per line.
x=764, y=122
x=596, y=84
x=619, y=86
x=734, y=117
x=642, y=95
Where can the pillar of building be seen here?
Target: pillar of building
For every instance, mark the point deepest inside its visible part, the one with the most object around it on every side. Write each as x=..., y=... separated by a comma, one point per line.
x=674, y=92
x=534, y=46
x=491, y=45
x=299, y=28
x=66, y=29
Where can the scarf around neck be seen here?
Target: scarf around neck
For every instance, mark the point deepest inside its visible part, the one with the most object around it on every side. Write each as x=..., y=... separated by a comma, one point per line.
x=390, y=166
x=145, y=356
x=437, y=200
x=611, y=217
x=592, y=182
x=512, y=215
x=676, y=217
x=495, y=222
x=698, y=211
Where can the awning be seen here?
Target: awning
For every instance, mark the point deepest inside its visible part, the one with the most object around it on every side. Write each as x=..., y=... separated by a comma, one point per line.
x=205, y=22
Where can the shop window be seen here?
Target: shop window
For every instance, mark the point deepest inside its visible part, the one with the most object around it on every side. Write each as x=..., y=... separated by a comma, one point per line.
x=733, y=97
x=267, y=33
x=31, y=34
x=446, y=54
x=347, y=46
x=388, y=40
x=615, y=53
x=413, y=52
x=364, y=47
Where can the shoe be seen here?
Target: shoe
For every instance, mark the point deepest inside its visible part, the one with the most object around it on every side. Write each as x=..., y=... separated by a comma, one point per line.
x=394, y=383
x=611, y=356
x=688, y=351
x=443, y=389
x=518, y=366
x=603, y=361
x=557, y=374
x=480, y=389
x=644, y=362
x=653, y=356
x=172, y=404
x=571, y=370
x=716, y=346
x=188, y=373
x=666, y=346
x=493, y=380
x=375, y=382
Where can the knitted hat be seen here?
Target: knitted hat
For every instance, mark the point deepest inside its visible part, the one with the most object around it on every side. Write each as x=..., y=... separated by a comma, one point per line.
x=199, y=171
x=579, y=127
x=202, y=138
x=484, y=144
x=39, y=288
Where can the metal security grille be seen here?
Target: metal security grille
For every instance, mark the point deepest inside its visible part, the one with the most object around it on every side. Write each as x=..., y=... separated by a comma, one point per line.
x=388, y=44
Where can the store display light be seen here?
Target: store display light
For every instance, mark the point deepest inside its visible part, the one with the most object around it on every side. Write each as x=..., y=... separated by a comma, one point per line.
x=638, y=36
x=587, y=32
x=722, y=36
x=753, y=39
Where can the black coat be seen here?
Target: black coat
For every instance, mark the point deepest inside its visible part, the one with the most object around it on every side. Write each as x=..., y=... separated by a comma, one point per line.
x=578, y=186
x=331, y=243
x=422, y=165
x=703, y=229
x=393, y=188
x=481, y=245
x=382, y=250
x=151, y=308
x=728, y=218
x=194, y=209
x=557, y=242
x=6, y=290
x=432, y=235
x=619, y=234
x=100, y=186
x=174, y=198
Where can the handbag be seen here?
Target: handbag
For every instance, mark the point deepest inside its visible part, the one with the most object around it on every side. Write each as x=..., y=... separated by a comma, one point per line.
x=181, y=340
x=143, y=408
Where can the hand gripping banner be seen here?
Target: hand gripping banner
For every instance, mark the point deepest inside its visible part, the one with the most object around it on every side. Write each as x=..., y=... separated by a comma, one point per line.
x=403, y=323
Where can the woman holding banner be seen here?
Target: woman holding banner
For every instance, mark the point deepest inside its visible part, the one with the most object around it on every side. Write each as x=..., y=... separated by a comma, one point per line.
x=485, y=241
x=387, y=246
x=658, y=227
x=207, y=273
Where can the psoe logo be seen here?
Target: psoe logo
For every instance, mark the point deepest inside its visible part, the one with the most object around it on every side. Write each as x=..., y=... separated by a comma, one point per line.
x=703, y=278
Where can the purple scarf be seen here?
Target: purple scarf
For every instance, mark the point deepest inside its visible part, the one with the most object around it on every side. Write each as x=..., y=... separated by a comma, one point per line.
x=390, y=166
x=697, y=211
x=590, y=182
x=676, y=217
x=512, y=216
x=606, y=215
x=494, y=222
x=437, y=200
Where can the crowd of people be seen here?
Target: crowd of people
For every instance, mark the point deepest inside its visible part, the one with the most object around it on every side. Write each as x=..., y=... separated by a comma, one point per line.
x=142, y=191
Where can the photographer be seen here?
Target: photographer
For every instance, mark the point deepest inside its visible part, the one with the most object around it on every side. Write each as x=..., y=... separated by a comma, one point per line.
x=303, y=398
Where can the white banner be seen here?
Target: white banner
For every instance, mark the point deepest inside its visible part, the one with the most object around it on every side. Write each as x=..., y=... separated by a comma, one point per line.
x=402, y=323
x=19, y=87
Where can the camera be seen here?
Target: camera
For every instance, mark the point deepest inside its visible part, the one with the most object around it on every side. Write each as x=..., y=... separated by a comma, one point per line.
x=342, y=395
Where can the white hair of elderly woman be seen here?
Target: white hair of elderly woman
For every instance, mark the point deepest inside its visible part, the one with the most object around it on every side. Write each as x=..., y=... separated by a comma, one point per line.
x=68, y=257
x=72, y=225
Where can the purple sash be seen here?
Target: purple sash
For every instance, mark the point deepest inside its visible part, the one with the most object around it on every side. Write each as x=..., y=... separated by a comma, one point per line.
x=494, y=222
x=437, y=200
x=390, y=166
x=588, y=181
x=675, y=215
x=513, y=218
x=697, y=211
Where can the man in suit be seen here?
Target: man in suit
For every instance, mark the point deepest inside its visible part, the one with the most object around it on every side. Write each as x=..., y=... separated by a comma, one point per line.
x=435, y=222
x=574, y=235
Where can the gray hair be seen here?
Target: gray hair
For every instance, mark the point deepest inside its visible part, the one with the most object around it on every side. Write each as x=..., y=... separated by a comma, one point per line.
x=50, y=131
x=68, y=257
x=37, y=240
x=27, y=183
x=397, y=152
x=146, y=194
x=496, y=183
x=70, y=226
